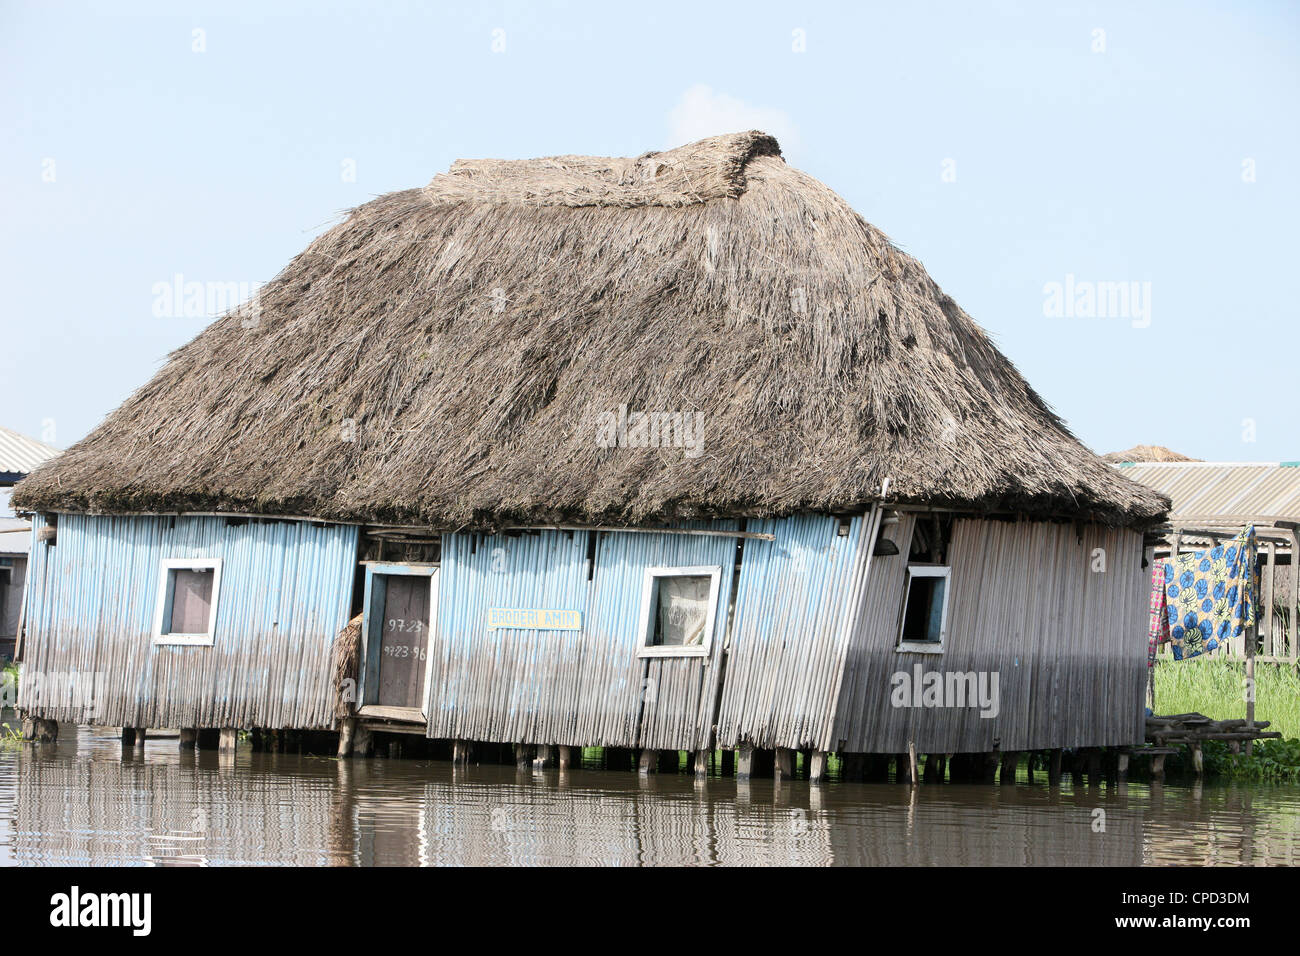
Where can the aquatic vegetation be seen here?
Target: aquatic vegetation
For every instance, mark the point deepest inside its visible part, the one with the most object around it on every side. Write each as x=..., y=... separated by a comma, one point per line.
x=8, y=685
x=1273, y=761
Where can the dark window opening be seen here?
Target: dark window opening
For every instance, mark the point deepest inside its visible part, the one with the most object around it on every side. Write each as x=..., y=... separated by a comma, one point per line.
x=923, y=614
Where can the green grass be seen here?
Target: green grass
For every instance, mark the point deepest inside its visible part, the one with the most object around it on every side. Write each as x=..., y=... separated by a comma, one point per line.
x=1213, y=686
x=8, y=684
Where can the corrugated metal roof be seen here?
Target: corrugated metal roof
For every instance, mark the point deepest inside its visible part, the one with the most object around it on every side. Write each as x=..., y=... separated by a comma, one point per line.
x=15, y=542
x=1229, y=490
x=20, y=454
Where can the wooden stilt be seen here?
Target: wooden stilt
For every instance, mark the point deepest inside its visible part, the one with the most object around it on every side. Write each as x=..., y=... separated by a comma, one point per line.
x=523, y=755
x=931, y=769
x=1054, y=768
x=363, y=742
x=1158, y=767
x=701, y=763
x=744, y=761
x=543, y=757
x=990, y=769
x=913, y=774
x=648, y=763
x=460, y=752
x=565, y=757
x=347, y=734
x=1094, y=767
x=783, y=764
x=1198, y=760
x=229, y=740
x=40, y=730
x=1007, y=772
x=1121, y=764
x=817, y=766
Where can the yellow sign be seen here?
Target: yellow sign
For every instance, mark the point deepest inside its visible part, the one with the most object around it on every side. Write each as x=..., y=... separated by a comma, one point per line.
x=534, y=619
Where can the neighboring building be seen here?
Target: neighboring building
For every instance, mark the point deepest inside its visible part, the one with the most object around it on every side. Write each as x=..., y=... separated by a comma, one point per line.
x=18, y=456
x=1213, y=501
x=15, y=540
x=674, y=452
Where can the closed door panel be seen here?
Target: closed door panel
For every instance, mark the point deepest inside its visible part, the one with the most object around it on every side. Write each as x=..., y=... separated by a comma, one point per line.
x=404, y=641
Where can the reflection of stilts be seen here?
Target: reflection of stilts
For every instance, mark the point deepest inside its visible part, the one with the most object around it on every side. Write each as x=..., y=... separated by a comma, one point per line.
x=341, y=829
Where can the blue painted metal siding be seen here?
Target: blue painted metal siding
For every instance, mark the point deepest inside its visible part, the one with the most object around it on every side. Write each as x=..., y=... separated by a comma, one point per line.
x=790, y=636
x=286, y=589
x=577, y=688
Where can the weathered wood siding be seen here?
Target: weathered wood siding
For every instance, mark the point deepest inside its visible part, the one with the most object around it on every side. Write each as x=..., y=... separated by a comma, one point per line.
x=790, y=633
x=1068, y=643
x=285, y=593
x=575, y=688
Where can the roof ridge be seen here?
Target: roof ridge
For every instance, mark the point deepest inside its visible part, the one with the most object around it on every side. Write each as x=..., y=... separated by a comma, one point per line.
x=705, y=170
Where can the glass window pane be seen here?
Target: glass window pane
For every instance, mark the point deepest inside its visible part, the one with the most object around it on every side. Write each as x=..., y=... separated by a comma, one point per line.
x=934, y=624
x=191, y=600
x=681, y=609
x=923, y=616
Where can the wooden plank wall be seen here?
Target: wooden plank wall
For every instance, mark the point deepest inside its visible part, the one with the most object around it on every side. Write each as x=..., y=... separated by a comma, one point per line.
x=1068, y=643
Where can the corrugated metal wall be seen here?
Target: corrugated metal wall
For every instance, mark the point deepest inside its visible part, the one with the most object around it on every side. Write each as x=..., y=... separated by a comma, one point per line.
x=1068, y=643
x=576, y=688
x=791, y=632
x=285, y=592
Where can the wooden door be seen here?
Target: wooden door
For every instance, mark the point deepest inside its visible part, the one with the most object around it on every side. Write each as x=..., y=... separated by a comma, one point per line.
x=404, y=641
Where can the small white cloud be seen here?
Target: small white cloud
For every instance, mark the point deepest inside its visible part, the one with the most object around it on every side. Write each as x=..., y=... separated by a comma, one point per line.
x=703, y=112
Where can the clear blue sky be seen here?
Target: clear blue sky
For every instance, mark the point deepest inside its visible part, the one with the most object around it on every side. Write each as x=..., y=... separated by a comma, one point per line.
x=1117, y=165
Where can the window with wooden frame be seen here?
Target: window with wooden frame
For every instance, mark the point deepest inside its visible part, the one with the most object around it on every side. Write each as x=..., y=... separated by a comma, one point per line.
x=678, y=606
x=187, y=601
x=923, y=623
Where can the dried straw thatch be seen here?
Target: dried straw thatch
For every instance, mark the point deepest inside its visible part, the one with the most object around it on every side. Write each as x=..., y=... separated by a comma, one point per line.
x=1146, y=453
x=347, y=667
x=476, y=331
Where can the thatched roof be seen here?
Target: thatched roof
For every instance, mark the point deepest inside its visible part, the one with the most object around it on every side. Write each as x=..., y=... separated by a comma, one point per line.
x=1146, y=453
x=476, y=330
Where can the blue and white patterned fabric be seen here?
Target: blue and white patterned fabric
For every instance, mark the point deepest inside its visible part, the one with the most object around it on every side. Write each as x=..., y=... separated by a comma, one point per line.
x=1211, y=595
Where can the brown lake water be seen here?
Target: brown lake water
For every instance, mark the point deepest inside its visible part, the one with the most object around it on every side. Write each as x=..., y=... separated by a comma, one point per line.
x=86, y=801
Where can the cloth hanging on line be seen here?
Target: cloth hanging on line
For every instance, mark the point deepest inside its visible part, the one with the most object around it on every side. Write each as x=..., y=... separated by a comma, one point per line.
x=1211, y=595
x=1158, y=627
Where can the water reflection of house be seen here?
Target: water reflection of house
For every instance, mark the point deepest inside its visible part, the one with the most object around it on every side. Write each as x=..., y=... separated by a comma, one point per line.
x=666, y=453
x=18, y=456
x=1213, y=501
